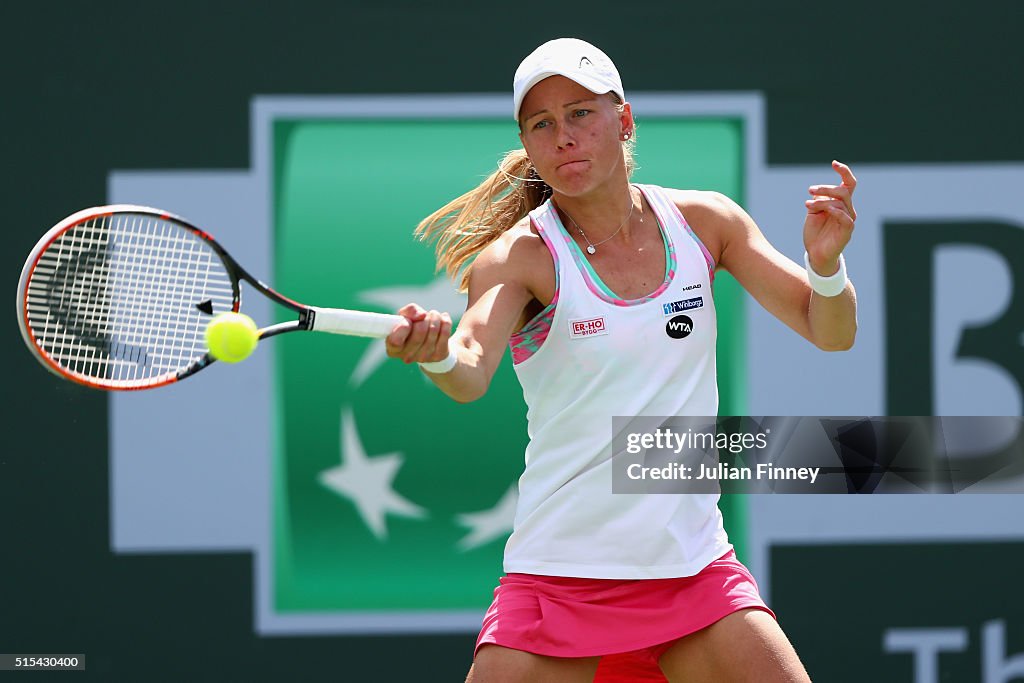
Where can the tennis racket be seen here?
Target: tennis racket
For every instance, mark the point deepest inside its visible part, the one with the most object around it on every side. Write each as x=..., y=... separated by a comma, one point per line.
x=118, y=297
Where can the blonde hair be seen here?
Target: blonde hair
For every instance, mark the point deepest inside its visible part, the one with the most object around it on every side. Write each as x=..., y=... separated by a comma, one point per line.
x=466, y=225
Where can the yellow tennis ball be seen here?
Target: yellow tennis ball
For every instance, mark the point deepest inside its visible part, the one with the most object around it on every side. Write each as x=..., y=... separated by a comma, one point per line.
x=231, y=337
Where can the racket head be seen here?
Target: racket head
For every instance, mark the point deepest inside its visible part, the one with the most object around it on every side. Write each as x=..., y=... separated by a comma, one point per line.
x=118, y=297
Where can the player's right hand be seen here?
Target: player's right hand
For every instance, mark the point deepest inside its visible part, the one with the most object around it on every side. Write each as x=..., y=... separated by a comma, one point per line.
x=422, y=337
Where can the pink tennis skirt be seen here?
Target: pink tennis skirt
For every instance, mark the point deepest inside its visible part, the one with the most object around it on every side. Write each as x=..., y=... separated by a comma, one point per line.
x=630, y=623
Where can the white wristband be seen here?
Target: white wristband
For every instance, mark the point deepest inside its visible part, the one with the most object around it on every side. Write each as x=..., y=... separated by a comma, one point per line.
x=442, y=366
x=833, y=285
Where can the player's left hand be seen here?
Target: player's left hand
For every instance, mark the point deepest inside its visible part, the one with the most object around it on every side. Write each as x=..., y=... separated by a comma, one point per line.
x=829, y=223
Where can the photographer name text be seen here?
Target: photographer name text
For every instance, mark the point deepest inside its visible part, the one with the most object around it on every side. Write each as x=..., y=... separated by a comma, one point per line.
x=723, y=471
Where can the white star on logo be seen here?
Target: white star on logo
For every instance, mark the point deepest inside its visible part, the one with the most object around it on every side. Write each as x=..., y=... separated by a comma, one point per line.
x=367, y=482
x=439, y=295
x=487, y=525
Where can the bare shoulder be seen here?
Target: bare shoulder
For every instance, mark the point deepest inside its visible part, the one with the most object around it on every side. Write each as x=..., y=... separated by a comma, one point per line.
x=518, y=257
x=703, y=203
x=712, y=216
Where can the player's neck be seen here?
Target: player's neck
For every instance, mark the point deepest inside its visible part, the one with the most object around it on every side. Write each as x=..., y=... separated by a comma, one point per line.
x=602, y=212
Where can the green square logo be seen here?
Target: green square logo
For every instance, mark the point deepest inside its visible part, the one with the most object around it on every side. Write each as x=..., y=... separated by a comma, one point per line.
x=389, y=498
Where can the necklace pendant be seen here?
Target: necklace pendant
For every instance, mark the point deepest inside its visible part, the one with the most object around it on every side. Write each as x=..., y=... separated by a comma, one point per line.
x=591, y=249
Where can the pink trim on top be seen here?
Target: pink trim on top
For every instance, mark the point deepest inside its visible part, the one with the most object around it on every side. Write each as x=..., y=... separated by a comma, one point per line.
x=586, y=270
x=704, y=250
x=529, y=339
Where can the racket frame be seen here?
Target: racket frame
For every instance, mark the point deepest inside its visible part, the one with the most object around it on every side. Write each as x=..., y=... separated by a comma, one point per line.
x=306, y=320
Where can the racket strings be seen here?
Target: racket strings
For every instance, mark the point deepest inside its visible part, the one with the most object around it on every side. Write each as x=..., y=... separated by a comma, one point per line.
x=117, y=298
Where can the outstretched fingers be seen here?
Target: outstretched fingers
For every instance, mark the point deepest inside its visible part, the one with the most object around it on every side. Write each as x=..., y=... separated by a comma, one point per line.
x=849, y=180
x=836, y=196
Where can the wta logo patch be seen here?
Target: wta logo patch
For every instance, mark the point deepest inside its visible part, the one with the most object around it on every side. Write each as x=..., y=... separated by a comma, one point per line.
x=588, y=327
x=684, y=305
x=679, y=327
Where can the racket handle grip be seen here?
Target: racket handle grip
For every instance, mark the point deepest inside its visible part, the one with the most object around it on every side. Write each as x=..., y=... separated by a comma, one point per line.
x=355, y=323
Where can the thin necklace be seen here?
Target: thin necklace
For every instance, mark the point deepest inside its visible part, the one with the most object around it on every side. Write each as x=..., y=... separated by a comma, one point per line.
x=591, y=247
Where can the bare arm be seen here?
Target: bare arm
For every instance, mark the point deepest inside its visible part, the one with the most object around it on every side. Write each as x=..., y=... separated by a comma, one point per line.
x=500, y=287
x=777, y=283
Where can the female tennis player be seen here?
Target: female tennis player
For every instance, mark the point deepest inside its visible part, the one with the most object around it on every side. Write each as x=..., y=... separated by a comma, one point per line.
x=581, y=272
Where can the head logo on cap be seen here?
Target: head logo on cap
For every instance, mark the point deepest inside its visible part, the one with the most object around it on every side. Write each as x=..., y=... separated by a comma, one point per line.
x=575, y=59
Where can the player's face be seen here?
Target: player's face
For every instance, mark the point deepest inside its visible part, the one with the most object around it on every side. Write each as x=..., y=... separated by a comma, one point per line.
x=573, y=136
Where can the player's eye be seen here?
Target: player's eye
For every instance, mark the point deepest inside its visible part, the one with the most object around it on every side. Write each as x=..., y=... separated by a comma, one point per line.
x=540, y=124
x=580, y=113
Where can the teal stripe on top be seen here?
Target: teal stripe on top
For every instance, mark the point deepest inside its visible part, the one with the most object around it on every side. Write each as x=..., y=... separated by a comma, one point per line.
x=593, y=280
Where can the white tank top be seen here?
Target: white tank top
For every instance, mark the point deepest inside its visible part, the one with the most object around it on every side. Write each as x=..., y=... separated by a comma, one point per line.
x=603, y=357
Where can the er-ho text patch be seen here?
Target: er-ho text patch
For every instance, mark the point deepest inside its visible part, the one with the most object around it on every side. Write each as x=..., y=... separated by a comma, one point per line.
x=587, y=327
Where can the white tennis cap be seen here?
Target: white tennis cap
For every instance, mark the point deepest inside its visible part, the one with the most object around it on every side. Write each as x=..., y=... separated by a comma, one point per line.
x=575, y=59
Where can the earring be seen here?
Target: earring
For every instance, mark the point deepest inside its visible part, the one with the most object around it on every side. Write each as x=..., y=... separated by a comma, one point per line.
x=625, y=136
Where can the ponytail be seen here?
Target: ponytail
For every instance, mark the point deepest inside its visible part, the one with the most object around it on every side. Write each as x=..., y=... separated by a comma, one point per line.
x=467, y=224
